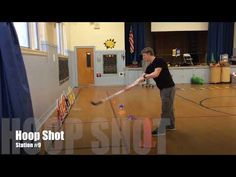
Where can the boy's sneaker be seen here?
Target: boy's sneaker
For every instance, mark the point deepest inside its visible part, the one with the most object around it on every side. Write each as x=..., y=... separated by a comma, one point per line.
x=171, y=128
x=168, y=128
x=156, y=133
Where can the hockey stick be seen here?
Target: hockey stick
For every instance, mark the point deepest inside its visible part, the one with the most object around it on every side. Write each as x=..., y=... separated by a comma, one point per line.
x=115, y=94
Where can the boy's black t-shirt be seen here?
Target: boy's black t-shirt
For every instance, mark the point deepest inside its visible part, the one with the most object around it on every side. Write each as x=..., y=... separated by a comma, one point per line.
x=164, y=80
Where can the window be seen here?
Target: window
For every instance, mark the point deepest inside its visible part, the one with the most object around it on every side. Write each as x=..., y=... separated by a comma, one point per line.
x=35, y=36
x=22, y=31
x=65, y=45
x=88, y=59
x=42, y=35
x=61, y=39
x=28, y=34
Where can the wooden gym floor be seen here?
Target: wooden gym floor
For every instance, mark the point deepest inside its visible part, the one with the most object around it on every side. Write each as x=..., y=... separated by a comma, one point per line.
x=205, y=121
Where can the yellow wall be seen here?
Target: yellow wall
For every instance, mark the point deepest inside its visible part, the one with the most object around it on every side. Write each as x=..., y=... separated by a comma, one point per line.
x=179, y=26
x=84, y=34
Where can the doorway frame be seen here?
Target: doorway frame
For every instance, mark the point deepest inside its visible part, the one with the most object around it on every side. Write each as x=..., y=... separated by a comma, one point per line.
x=75, y=68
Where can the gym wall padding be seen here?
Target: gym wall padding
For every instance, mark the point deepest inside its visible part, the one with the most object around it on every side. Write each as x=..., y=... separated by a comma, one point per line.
x=43, y=76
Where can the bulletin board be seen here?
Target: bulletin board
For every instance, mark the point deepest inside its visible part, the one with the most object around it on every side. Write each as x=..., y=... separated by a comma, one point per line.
x=63, y=69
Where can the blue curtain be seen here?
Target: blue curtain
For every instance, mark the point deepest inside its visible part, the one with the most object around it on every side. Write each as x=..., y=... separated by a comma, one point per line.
x=15, y=99
x=220, y=39
x=139, y=41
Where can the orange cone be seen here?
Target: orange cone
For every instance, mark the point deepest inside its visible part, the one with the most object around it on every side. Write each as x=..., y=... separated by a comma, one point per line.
x=121, y=112
x=147, y=141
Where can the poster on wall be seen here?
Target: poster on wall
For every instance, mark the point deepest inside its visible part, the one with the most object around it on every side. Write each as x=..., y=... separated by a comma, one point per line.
x=110, y=43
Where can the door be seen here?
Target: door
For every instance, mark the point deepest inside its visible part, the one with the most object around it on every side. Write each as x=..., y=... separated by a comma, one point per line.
x=85, y=61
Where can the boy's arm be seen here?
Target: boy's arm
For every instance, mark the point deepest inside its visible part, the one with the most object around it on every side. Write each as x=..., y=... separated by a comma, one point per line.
x=154, y=74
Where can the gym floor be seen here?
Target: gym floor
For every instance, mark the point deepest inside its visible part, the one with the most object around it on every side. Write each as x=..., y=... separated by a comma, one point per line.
x=205, y=121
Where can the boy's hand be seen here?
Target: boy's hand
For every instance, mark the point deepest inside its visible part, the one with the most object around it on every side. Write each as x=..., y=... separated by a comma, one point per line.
x=141, y=79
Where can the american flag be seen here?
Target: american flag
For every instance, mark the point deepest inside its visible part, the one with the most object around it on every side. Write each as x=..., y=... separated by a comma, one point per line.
x=131, y=40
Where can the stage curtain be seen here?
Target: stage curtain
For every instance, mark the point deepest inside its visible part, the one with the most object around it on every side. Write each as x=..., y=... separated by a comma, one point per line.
x=139, y=41
x=220, y=40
